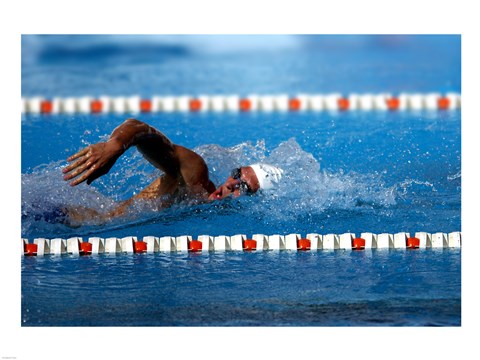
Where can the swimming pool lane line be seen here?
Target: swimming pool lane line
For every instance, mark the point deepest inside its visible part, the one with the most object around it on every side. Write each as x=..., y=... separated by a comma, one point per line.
x=235, y=103
x=240, y=242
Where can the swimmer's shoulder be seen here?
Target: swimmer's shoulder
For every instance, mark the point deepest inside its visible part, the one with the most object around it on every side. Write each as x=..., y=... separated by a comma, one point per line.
x=193, y=167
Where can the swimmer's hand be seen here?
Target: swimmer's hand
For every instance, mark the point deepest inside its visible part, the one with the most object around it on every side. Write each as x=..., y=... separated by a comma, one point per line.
x=92, y=162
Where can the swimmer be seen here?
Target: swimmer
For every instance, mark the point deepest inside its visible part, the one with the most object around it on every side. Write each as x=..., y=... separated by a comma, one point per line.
x=185, y=173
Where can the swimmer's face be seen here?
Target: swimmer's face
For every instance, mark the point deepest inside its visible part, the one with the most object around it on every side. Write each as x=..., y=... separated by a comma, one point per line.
x=242, y=181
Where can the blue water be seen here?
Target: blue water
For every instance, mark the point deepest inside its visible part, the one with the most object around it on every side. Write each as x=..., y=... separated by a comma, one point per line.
x=344, y=172
x=267, y=288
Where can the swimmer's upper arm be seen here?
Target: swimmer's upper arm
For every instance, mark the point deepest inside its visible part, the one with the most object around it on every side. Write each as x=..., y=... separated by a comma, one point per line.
x=193, y=168
x=158, y=149
x=177, y=162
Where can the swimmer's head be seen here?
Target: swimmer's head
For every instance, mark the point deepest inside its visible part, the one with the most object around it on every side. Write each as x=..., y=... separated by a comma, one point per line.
x=267, y=175
x=248, y=180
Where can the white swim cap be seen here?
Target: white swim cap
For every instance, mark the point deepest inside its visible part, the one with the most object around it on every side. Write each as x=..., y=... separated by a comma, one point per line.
x=267, y=175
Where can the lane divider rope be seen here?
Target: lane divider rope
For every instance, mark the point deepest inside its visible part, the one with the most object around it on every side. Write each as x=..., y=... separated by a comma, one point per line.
x=235, y=103
x=240, y=242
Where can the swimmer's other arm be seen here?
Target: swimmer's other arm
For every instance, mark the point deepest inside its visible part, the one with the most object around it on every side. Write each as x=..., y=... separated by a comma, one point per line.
x=182, y=167
x=97, y=159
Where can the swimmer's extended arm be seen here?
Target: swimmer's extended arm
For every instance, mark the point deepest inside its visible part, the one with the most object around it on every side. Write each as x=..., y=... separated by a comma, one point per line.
x=96, y=160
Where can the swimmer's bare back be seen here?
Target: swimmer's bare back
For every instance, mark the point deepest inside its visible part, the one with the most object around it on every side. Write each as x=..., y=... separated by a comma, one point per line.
x=184, y=170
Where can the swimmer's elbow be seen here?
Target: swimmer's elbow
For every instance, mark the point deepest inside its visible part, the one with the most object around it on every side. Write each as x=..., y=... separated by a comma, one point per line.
x=133, y=121
x=136, y=125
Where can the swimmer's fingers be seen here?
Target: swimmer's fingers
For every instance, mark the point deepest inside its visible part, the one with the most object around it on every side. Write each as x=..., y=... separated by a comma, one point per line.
x=78, y=171
x=84, y=176
x=78, y=154
x=74, y=165
x=91, y=163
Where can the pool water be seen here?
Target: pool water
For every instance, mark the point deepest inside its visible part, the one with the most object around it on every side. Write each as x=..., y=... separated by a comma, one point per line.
x=328, y=288
x=344, y=172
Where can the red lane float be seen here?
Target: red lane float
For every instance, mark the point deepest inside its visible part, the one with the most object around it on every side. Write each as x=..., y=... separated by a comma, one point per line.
x=443, y=103
x=96, y=106
x=294, y=104
x=413, y=243
x=393, y=103
x=145, y=106
x=358, y=244
x=30, y=249
x=139, y=247
x=46, y=107
x=249, y=245
x=85, y=248
x=304, y=244
x=245, y=105
x=195, y=246
x=343, y=104
x=195, y=105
